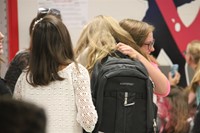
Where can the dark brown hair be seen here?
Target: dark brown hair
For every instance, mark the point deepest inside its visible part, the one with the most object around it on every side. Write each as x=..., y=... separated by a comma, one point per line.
x=41, y=14
x=50, y=48
x=21, y=117
x=178, y=111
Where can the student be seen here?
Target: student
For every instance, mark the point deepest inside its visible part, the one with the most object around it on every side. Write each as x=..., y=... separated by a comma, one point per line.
x=192, y=57
x=55, y=81
x=21, y=117
x=4, y=89
x=174, y=117
x=142, y=33
x=99, y=39
x=21, y=59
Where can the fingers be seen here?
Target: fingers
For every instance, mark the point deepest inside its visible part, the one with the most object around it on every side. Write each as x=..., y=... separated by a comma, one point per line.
x=174, y=80
x=177, y=75
x=120, y=44
x=123, y=48
x=127, y=50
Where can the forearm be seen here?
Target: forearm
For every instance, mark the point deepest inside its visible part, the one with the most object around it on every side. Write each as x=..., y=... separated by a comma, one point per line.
x=162, y=86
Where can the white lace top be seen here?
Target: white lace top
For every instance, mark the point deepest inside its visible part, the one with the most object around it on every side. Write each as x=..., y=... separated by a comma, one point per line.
x=68, y=103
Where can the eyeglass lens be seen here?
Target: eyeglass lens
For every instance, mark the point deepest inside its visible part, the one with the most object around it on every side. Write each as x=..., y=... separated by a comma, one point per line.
x=150, y=44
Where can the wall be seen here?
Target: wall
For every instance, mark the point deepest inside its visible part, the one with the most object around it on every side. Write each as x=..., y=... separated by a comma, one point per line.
x=119, y=9
x=27, y=10
x=3, y=29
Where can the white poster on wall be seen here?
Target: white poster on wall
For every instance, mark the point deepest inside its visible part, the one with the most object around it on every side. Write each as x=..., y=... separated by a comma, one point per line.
x=74, y=12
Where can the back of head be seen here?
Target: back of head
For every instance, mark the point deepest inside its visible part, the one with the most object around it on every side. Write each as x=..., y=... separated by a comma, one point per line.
x=177, y=97
x=178, y=111
x=42, y=12
x=51, y=47
x=21, y=117
x=193, y=49
x=137, y=29
x=99, y=38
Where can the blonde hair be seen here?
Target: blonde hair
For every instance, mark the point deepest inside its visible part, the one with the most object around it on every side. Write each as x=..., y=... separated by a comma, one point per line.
x=99, y=38
x=139, y=30
x=193, y=50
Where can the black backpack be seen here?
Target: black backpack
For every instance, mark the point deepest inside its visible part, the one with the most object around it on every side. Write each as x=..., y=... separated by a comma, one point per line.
x=123, y=96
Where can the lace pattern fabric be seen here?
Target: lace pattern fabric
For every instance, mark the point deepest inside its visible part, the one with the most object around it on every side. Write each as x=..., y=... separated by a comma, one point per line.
x=68, y=103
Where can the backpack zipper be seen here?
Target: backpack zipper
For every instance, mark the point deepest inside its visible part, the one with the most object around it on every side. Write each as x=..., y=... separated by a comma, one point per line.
x=126, y=100
x=154, y=125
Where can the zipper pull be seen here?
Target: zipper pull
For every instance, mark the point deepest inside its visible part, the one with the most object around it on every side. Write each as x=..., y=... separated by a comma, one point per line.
x=126, y=100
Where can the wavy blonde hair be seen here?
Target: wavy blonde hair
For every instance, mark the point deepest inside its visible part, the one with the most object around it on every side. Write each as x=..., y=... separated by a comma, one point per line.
x=99, y=38
x=193, y=49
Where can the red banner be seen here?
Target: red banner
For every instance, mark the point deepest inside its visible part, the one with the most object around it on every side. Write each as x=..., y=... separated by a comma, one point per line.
x=13, y=36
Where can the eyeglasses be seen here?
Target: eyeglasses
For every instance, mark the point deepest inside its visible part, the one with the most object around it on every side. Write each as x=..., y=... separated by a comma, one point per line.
x=49, y=11
x=150, y=44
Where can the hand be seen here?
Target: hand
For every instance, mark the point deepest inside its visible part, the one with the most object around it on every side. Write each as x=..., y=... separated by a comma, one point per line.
x=174, y=80
x=127, y=50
